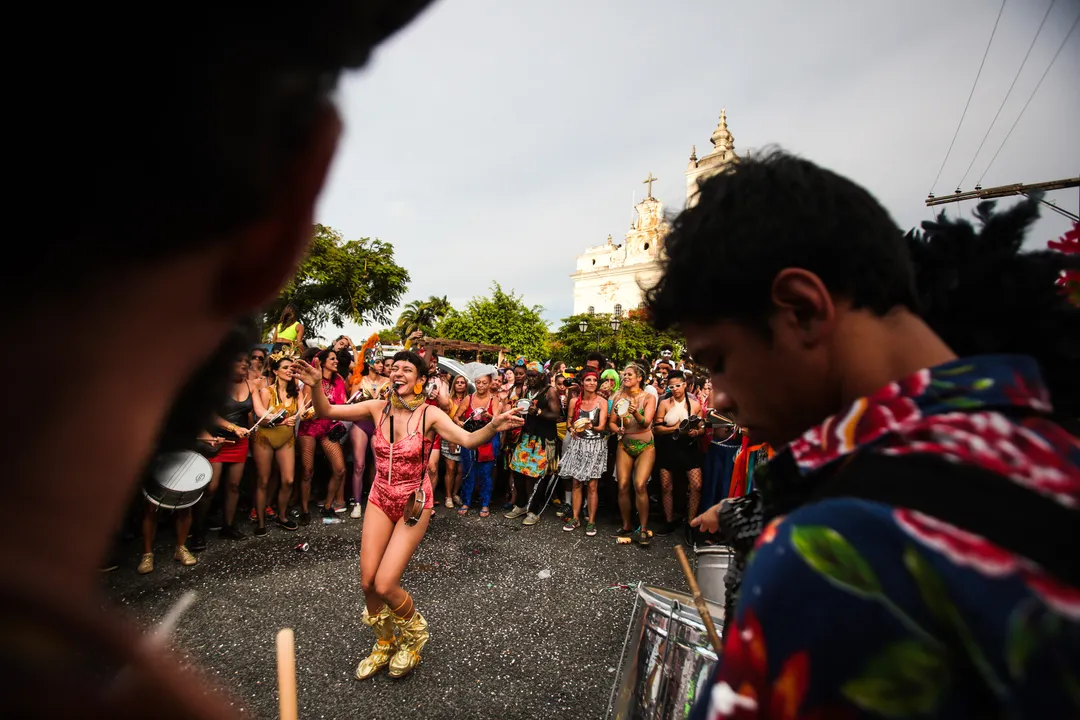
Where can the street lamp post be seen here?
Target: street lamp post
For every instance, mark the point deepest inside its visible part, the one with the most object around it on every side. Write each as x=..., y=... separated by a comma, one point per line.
x=616, y=323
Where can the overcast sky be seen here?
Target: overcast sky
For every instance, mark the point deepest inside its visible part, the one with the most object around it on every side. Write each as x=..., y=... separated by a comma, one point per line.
x=495, y=140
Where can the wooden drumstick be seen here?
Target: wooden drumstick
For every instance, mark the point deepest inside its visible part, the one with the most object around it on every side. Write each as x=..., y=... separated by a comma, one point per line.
x=699, y=602
x=286, y=674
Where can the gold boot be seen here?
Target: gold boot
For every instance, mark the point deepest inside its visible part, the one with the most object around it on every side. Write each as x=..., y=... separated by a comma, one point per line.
x=414, y=636
x=383, y=626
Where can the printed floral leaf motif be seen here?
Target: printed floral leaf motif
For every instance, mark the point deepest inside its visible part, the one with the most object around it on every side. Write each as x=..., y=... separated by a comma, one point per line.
x=962, y=370
x=1022, y=640
x=830, y=554
x=963, y=402
x=930, y=586
x=983, y=384
x=905, y=678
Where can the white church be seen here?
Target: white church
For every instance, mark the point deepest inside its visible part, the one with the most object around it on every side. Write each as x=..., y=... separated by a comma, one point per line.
x=610, y=276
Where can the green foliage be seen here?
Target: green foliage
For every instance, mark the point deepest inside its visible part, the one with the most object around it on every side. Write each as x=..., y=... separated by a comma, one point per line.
x=339, y=280
x=422, y=315
x=501, y=318
x=388, y=336
x=634, y=339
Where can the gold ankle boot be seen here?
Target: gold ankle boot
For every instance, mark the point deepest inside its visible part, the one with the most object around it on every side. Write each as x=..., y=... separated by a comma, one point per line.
x=414, y=636
x=383, y=626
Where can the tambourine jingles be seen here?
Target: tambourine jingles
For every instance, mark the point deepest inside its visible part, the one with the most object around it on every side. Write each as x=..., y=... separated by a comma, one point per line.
x=414, y=506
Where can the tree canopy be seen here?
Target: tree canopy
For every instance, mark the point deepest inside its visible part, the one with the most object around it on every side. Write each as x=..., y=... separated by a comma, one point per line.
x=634, y=339
x=339, y=280
x=501, y=318
x=422, y=315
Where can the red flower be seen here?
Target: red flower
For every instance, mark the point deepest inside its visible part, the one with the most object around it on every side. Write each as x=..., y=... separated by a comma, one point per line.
x=962, y=548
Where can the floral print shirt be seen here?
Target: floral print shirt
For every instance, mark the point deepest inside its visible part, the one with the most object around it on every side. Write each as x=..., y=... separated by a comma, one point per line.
x=853, y=609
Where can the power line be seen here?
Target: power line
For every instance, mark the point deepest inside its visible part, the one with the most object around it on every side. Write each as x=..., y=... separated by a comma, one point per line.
x=970, y=94
x=1015, y=122
x=1007, y=94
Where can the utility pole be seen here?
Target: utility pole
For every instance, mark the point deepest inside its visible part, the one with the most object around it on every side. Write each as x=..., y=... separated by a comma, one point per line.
x=981, y=193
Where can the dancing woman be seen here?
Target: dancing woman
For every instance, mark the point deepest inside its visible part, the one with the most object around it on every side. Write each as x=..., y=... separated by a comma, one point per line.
x=405, y=428
x=636, y=451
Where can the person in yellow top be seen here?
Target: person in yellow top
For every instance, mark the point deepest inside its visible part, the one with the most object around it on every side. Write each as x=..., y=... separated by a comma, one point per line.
x=289, y=330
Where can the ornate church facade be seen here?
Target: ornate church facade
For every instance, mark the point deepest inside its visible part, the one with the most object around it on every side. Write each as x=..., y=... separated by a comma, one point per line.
x=609, y=277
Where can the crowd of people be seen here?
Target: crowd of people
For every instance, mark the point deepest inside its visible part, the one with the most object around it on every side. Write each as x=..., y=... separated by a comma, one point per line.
x=585, y=428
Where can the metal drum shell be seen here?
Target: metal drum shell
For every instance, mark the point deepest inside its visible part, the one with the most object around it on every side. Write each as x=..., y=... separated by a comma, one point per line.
x=666, y=657
x=712, y=566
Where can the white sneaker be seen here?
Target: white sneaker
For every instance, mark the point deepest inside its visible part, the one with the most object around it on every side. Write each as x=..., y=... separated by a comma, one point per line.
x=516, y=513
x=531, y=519
x=356, y=511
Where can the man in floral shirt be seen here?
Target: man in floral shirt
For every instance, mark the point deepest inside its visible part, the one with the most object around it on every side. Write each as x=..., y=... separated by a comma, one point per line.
x=909, y=565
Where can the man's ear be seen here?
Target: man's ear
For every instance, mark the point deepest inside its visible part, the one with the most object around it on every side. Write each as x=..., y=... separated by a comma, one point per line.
x=265, y=254
x=802, y=304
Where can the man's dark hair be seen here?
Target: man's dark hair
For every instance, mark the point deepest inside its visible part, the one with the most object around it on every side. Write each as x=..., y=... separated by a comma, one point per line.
x=597, y=357
x=186, y=129
x=768, y=213
x=982, y=295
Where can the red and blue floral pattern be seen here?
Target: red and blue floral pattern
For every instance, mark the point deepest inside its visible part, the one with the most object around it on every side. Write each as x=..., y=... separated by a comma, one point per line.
x=851, y=608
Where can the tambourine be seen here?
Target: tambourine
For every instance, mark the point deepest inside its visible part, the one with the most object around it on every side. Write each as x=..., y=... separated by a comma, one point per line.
x=622, y=407
x=523, y=406
x=581, y=424
x=414, y=506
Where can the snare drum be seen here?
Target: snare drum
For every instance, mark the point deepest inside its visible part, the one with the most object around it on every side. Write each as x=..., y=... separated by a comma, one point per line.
x=712, y=566
x=665, y=659
x=177, y=480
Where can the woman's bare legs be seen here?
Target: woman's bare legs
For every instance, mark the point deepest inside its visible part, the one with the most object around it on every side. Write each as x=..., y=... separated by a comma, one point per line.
x=233, y=475
x=594, y=499
x=642, y=472
x=575, y=499
x=264, y=463
x=624, y=467
x=374, y=538
x=286, y=460
x=403, y=543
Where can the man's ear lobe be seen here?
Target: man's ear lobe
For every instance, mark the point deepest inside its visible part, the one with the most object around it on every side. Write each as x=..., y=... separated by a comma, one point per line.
x=265, y=254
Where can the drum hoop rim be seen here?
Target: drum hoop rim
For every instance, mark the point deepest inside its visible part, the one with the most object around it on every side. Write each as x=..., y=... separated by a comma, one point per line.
x=667, y=605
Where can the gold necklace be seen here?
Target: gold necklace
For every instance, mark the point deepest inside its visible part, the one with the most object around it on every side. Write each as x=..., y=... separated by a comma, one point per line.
x=402, y=404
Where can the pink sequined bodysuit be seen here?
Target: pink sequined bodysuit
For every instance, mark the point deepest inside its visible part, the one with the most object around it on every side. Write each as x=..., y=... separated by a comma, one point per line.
x=400, y=468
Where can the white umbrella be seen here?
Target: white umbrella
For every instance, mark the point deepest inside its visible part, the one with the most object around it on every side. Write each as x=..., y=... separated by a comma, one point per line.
x=453, y=367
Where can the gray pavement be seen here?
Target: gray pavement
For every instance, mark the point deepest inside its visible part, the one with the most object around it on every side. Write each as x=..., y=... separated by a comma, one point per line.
x=505, y=641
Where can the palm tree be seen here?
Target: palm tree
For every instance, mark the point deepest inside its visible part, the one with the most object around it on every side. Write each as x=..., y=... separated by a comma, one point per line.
x=422, y=315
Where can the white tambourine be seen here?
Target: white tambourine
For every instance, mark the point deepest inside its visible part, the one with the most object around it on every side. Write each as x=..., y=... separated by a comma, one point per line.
x=622, y=407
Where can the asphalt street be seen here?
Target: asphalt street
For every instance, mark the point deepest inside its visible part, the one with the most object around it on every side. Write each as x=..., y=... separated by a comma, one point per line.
x=525, y=621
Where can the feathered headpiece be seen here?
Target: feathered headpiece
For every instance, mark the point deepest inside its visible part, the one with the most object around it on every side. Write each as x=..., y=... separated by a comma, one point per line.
x=365, y=355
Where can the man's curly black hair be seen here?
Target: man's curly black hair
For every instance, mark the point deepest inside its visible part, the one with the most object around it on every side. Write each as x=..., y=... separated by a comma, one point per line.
x=771, y=212
x=982, y=294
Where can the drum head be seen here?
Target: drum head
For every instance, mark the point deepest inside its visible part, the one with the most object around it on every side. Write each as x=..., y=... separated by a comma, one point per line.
x=622, y=407
x=182, y=471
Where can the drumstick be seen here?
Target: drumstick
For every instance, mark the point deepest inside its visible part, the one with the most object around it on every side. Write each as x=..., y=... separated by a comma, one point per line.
x=699, y=601
x=252, y=428
x=286, y=674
